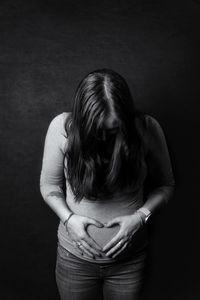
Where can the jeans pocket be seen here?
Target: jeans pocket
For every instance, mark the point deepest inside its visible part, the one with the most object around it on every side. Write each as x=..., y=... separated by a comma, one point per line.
x=66, y=255
x=62, y=252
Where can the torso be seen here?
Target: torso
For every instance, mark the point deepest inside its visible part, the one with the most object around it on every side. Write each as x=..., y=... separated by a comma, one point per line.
x=104, y=210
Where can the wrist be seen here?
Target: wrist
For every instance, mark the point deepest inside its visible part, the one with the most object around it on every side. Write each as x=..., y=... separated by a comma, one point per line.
x=67, y=219
x=140, y=217
x=145, y=213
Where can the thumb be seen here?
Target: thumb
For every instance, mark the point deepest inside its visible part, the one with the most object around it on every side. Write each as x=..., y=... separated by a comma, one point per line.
x=94, y=222
x=112, y=222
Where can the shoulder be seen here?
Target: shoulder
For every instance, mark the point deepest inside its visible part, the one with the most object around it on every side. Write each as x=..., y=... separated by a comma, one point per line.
x=155, y=137
x=60, y=119
x=151, y=121
x=56, y=134
x=154, y=127
x=57, y=124
x=151, y=131
x=147, y=123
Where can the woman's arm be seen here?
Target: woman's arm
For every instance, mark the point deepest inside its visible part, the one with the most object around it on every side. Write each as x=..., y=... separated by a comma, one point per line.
x=51, y=187
x=160, y=173
x=162, y=184
x=52, y=172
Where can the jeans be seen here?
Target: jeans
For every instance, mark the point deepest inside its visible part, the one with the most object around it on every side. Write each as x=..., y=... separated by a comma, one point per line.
x=78, y=279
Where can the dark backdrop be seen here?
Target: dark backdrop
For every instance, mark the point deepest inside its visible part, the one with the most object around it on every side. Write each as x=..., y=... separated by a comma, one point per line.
x=46, y=47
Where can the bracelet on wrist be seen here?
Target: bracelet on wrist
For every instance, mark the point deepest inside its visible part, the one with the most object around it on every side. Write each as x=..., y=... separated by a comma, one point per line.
x=142, y=221
x=144, y=213
x=66, y=221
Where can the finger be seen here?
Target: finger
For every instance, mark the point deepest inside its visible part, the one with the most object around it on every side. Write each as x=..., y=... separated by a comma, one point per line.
x=76, y=246
x=117, y=246
x=86, y=249
x=90, y=249
x=112, y=222
x=94, y=222
x=120, y=250
x=92, y=243
x=113, y=242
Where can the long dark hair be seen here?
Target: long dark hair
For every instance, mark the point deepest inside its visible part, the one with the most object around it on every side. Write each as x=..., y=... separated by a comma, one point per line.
x=93, y=171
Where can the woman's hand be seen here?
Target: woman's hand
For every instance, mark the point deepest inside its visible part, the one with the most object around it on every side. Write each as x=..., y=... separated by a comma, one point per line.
x=76, y=229
x=128, y=226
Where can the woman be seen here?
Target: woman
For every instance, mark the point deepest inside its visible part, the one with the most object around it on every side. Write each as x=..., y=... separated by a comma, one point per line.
x=96, y=163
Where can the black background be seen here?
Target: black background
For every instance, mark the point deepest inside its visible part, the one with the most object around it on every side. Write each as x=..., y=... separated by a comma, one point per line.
x=46, y=47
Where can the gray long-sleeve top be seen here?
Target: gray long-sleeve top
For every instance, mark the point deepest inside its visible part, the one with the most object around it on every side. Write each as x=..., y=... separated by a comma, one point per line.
x=53, y=178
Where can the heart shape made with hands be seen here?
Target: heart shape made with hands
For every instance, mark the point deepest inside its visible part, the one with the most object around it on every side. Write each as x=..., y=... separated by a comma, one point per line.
x=102, y=235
